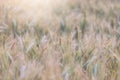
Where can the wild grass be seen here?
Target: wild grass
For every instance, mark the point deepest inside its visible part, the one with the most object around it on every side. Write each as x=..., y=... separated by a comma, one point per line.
x=77, y=40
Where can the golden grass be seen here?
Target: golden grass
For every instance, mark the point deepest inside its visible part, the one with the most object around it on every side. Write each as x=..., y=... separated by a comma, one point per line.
x=74, y=40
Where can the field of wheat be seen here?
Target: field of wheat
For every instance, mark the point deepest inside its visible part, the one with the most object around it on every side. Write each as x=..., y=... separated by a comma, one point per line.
x=59, y=39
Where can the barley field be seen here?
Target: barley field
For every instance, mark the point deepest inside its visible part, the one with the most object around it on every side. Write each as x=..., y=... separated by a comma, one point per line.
x=59, y=39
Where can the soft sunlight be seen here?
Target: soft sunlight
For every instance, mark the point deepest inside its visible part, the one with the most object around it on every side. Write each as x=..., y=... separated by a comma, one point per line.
x=32, y=8
x=33, y=4
x=45, y=3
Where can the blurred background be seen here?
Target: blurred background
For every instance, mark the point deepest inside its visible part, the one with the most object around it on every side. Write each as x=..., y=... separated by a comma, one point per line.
x=59, y=39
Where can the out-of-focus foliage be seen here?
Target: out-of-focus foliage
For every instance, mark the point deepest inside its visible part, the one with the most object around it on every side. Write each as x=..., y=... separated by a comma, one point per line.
x=59, y=40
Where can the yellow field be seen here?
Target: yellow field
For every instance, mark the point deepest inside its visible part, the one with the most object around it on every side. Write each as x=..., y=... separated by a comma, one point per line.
x=59, y=40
